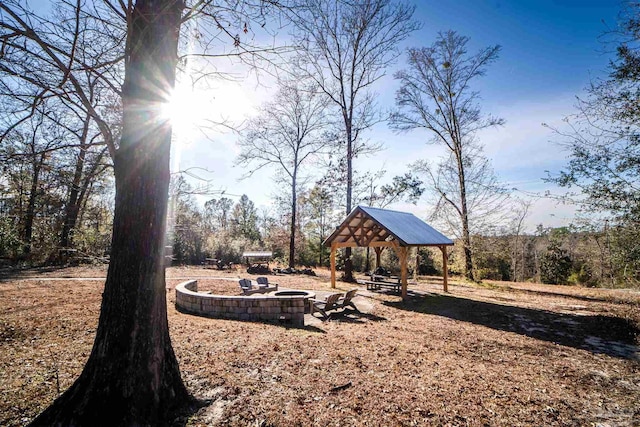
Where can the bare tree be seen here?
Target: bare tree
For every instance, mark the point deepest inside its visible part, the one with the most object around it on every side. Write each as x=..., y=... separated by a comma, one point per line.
x=435, y=95
x=132, y=375
x=76, y=153
x=515, y=235
x=287, y=133
x=65, y=65
x=27, y=160
x=402, y=187
x=345, y=48
x=321, y=217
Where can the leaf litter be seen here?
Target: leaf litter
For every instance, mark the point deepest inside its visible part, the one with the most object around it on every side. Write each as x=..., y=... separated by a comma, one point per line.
x=498, y=354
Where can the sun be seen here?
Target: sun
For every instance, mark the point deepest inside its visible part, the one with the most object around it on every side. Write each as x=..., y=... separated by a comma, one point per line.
x=187, y=110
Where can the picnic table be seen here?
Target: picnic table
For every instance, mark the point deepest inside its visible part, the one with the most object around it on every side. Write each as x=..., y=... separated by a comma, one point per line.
x=217, y=263
x=379, y=281
x=384, y=278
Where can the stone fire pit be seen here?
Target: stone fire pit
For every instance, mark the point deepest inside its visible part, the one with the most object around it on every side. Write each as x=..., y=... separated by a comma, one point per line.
x=297, y=293
x=286, y=305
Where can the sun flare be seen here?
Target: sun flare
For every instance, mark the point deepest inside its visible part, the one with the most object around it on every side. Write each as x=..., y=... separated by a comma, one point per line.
x=187, y=110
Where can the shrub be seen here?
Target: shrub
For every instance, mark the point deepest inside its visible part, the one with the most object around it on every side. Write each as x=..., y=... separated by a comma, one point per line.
x=555, y=265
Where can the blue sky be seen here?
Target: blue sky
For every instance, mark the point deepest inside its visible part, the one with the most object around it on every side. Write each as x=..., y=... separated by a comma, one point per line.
x=550, y=52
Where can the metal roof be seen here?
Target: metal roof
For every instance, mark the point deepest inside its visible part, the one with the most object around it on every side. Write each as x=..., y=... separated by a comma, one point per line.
x=257, y=254
x=366, y=224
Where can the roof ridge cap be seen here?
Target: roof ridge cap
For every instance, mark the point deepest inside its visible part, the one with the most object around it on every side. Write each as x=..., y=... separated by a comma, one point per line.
x=387, y=210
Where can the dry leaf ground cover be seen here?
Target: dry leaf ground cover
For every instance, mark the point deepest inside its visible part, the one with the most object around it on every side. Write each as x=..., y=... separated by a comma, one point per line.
x=489, y=354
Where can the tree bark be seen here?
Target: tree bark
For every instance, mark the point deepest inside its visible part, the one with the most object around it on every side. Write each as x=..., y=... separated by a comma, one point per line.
x=31, y=204
x=367, y=265
x=294, y=209
x=466, y=238
x=348, y=264
x=132, y=376
x=378, y=256
x=73, y=203
x=87, y=185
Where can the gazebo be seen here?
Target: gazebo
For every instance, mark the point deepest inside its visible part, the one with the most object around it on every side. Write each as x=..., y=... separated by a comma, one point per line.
x=382, y=228
x=260, y=257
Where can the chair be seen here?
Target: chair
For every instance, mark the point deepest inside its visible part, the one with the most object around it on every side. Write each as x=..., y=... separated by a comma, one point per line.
x=322, y=306
x=263, y=282
x=347, y=300
x=246, y=286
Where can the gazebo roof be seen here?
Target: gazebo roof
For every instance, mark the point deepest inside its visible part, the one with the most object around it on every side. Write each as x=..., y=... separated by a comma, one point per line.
x=366, y=225
x=257, y=254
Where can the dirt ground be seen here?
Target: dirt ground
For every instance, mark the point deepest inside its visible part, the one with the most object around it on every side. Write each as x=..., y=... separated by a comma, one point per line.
x=482, y=354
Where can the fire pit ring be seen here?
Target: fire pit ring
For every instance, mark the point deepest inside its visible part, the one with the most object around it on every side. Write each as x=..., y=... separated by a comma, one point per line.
x=297, y=293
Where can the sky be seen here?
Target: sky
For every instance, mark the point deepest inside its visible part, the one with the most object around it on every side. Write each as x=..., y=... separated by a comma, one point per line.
x=550, y=51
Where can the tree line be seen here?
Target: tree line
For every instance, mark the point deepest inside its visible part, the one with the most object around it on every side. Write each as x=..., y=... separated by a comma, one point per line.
x=224, y=229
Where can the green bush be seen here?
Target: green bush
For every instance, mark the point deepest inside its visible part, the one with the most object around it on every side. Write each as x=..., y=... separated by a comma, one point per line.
x=582, y=276
x=555, y=265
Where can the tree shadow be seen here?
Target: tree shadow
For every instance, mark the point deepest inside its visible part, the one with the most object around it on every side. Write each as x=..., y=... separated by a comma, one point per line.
x=411, y=293
x=285, y=324
x=560, y=294
x=17, y=271
x=181, y=417
x=13, y=272
x=354, y=316
x=598, y=334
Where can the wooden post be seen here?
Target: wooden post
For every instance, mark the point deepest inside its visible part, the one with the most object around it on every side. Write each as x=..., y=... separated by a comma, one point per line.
x=402, y=252
x=333, y=265
x=415, y=270
x=444, y=268
x=378, y=250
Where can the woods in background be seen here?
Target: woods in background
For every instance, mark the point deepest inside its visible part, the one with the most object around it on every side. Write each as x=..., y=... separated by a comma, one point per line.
x=58, y=130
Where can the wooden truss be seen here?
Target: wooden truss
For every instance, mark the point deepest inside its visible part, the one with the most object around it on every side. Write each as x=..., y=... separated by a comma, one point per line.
x=363, y=231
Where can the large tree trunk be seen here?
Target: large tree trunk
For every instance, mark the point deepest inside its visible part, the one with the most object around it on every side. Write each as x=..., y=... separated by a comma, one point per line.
x=30, y=214
x=78, y=201
x=348, y=263
x=466, y=237
x=132, y=375
x=73, y=203
x=294, y=209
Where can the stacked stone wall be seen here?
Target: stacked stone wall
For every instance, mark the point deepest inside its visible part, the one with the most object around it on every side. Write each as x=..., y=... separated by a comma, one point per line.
x=256, y=307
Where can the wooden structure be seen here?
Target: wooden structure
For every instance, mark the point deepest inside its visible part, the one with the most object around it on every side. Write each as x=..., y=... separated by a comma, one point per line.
x=383, y=228
x=334, y=302
x=257, y=257
x=322, y=306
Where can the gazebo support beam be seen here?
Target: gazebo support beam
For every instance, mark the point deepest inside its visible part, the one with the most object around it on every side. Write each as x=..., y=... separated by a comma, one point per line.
x=402, y=254
x=334, y=247
x=378, y=251
x=444, y=268
x=415, y=270
x=384, y=244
